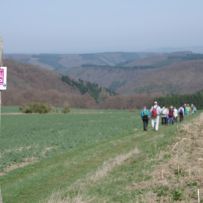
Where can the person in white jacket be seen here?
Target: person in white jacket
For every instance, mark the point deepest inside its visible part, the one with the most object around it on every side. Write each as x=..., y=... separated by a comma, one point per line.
x=164, y=115
x=175, y=114
x=155, y=116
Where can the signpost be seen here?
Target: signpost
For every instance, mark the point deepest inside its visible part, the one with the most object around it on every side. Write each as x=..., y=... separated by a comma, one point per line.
x=3, y=86
x=2, y=76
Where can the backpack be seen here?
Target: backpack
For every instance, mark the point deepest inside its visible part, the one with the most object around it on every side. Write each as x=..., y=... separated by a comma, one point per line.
x=154, y=112
x=181, y=112
x=170, y=113
x=145, y=114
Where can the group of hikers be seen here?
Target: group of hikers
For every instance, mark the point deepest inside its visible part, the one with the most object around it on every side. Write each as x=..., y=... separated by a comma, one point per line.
x=168, y=115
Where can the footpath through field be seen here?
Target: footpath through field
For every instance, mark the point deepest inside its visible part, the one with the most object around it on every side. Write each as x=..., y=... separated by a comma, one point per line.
x=178, y=178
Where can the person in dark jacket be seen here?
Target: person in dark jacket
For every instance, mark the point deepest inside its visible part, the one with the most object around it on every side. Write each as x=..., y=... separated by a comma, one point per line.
x=145, y=115
x=181, y=113
x=171, y=115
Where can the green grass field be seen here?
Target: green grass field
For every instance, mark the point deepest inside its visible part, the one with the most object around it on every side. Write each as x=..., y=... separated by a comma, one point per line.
x=58, y=151
x=10, y=109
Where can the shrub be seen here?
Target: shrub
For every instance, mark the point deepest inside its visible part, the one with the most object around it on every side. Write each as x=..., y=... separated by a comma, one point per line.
x=66, y=109
x=35, y=108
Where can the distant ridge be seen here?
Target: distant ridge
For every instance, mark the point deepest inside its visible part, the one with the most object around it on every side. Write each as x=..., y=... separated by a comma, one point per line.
x=130, y=73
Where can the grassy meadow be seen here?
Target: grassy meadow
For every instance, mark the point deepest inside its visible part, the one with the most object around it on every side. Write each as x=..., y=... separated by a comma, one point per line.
x=44, y=158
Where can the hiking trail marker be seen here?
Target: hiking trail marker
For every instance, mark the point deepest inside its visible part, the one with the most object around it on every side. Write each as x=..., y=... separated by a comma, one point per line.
x=3, y=78
x=3, y=86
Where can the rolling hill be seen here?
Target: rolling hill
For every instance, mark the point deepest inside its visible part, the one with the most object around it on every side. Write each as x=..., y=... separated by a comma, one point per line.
x=129, y=73
x=30, y=83
x=63, y=62
x=180, y=78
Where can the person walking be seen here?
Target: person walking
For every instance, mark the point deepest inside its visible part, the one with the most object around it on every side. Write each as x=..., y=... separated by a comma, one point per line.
x=155, y=116
x=171, y=115
x=145, y=115
x=164, y=115
x=193, y=109
x=181, y=113
x=175, y=114
x=187, y=110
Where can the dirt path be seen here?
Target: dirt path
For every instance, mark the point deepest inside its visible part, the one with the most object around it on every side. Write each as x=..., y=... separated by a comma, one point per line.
x=80, y=186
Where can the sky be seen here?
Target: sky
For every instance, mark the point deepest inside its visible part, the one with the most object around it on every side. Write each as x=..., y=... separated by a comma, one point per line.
x=87, y=26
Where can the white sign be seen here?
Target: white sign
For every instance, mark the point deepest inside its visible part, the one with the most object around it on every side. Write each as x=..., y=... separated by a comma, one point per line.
x=3, y=78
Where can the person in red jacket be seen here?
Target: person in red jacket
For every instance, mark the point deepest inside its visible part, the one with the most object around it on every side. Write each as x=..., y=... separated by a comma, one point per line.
x=155, y=116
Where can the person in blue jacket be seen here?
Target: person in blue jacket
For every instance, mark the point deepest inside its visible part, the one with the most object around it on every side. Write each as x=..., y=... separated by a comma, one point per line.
x=145, y=115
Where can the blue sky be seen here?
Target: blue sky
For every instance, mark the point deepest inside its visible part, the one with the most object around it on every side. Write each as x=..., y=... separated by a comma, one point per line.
x=81, y=26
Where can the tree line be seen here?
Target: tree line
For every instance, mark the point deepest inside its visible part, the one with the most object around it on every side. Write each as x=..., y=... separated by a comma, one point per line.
x=178, y=100
x=94, y=90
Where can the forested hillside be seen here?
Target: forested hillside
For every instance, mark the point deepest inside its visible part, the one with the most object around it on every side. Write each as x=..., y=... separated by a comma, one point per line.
x=153, y=74
x=93, y=89
x=29, y=83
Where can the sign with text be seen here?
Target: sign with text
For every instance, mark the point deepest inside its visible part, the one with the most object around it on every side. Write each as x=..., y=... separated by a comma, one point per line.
x=3, y=78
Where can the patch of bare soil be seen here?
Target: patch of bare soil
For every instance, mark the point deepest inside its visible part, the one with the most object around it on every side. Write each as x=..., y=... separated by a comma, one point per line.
x=180, y=179
x=22, y=164
x=12, y=114
x=47, y=150
x=25, y=161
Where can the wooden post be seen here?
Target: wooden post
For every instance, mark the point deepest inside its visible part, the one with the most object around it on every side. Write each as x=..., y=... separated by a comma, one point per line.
x=1, y=52
x=198, y=196
x=1, y=64
x=162, y=174
x=0, y=112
